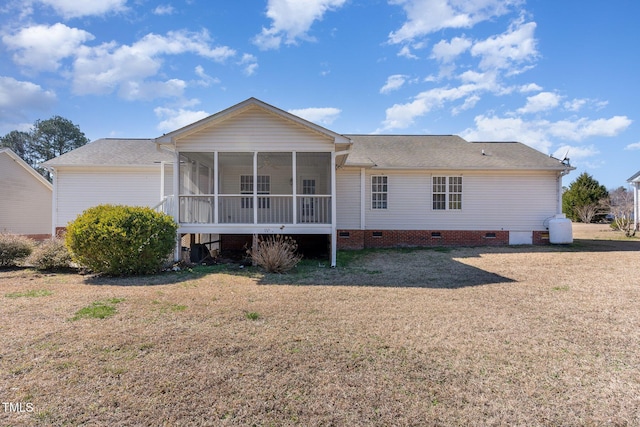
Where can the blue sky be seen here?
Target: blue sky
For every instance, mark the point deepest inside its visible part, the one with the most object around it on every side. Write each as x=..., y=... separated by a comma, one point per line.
x=559, y=76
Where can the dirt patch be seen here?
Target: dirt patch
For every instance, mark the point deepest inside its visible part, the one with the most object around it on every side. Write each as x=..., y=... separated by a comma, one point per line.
x=468, y=336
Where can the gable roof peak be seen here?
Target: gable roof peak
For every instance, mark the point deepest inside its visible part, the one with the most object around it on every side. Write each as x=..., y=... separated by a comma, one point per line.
x=170, y=137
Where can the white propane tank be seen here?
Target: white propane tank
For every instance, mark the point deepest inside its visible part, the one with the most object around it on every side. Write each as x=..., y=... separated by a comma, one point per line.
x=560, y=232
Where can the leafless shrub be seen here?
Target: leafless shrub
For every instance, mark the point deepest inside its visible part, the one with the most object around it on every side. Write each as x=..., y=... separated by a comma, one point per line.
x=14, y=248
x=588, y=212
x=51, y=255
x=621, y=208
x=276, y=254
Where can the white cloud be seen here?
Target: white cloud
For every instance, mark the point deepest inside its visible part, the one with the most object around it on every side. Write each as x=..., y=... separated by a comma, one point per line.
x=541, y=134
x=406, y=53
x=428, y=16
x=250, y=63
x=176, y=119
x=574, y=152
x=205, y=79
x=292, y=19
x=495, y=128
x=164, y=10
x=401, y=116
x=447, y=51
x=324, y=116
x=575, y=104
x=102, y=69
x=394, y=82
x=531, y=87
x=42, y=47
x=582, y=128
x=634, y=146
x=136, y=90
x=78, y=8
x=542, y=101
x=16, y=96
x=508, y=50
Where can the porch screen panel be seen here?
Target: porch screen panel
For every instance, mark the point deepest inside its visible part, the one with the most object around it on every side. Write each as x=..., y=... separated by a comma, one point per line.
x=313, y=188
x=195, y=187
x=235, y=186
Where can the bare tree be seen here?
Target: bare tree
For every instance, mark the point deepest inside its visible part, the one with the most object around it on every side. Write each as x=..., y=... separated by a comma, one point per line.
x=586, y=213
x=621, y=208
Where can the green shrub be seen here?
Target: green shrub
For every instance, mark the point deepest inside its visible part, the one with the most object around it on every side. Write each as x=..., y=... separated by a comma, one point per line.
x=276, y=254
x=121, y=240
x=51, y=255
x=13, y=249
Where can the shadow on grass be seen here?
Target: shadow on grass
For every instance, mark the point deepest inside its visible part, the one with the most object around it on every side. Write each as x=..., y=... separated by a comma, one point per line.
x=437, y=267
x=405, y=267
x=170, y=277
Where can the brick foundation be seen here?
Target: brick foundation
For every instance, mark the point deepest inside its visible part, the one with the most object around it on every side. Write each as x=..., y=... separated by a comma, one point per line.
x=361, y=239
x=541, y=238
x=38, y=237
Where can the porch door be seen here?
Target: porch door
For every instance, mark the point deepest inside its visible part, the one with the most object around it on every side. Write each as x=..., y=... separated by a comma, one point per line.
x=308, y=203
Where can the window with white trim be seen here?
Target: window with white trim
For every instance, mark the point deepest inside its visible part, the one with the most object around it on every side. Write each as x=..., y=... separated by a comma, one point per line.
x=447, y=192
x=264, y=187
x=379, y=192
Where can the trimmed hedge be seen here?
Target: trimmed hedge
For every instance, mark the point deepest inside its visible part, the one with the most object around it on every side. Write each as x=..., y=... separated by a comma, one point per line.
x=121, y=240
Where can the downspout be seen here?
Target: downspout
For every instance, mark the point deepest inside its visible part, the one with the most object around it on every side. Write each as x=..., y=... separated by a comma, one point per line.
x=636, y=186
x=54, y=202
x=334, y=216
x=560, y=175
x=176, y=203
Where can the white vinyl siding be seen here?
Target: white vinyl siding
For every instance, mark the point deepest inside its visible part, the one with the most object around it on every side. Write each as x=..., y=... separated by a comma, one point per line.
x=25, y=201
x=516, y=201
x=80, y=189
x=255, y=129
x=348, y=198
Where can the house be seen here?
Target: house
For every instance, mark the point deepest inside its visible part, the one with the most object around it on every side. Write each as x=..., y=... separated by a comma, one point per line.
x=25, y=198
x=254, y=169
x=635, y=182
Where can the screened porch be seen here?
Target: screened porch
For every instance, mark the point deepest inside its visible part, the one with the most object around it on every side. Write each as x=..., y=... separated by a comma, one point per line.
x=276, y=188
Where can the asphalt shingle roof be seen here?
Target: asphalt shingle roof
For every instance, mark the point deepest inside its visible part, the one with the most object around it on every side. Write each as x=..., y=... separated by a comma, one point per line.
x=380, y=151
x=113, y=152
x=445, y=152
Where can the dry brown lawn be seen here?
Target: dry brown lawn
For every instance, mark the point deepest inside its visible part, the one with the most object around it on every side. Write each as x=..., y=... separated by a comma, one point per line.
x=526, y=336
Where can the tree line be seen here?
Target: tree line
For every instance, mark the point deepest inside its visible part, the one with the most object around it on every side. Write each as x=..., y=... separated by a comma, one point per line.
x=586, y=200
x=44, y=141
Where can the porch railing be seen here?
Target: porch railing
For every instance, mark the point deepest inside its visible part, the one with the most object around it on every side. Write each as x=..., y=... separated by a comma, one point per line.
x=271, y=209
x=166, y=205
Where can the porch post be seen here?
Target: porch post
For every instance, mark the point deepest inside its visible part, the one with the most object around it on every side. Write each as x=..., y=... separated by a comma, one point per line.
x=363, y=195
x=54, y=203
x=334, y=237
x=215, y=187
x=255, y=187
x=636, y=185
x=162, y=180
x=294, y=186
x=176, y=203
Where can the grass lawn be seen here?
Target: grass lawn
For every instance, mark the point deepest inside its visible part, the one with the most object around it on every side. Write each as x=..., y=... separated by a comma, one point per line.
x=530, y=336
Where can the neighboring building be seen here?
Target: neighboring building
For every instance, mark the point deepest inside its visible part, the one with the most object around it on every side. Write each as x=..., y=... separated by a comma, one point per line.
x=25, y=198
x=255, y=169
x=635, y=181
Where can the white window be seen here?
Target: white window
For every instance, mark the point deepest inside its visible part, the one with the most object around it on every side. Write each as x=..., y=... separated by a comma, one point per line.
x=379, y=192
x=308, y=203
x=246, y=187
x=447, y=192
